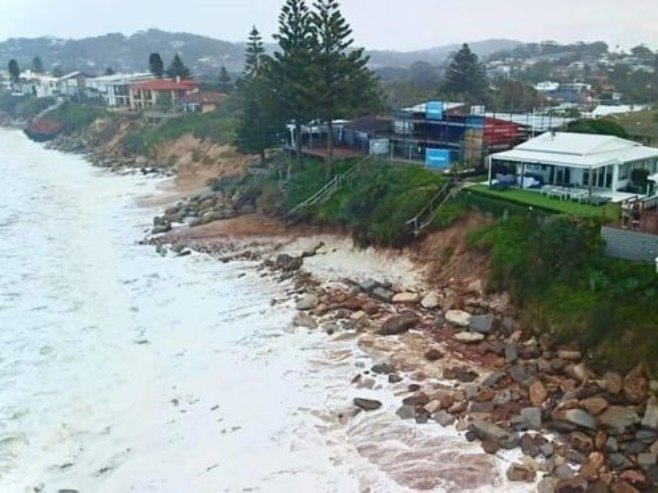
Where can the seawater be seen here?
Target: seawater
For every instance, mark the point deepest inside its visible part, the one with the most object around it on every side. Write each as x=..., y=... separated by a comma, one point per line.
x=124, y=371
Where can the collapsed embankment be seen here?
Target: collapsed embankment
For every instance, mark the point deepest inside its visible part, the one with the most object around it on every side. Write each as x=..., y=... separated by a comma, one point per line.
x=186, y=147
x=563, y=289
x=460, y=353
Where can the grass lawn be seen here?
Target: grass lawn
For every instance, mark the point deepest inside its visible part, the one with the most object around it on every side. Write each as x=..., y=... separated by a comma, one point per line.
x=535, y=199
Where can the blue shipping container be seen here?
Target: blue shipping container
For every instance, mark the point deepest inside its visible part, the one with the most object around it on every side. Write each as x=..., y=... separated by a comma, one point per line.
x=437, y=158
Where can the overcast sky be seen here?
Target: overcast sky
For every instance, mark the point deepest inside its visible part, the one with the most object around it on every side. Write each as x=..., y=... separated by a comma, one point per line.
x=394, y=24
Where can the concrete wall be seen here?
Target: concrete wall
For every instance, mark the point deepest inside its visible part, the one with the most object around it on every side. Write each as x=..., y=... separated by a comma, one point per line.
x=630, y=245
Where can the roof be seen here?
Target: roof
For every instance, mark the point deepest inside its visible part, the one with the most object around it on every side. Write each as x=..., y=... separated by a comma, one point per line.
x=447, y=106
x=536, y=122
x=605, y=110
x=204, y=97
x=369, y=124
x=124, y=77
x=577, y=150
x=165, y=85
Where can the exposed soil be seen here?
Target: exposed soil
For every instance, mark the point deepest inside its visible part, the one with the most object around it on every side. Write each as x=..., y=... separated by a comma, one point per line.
x=447, y=256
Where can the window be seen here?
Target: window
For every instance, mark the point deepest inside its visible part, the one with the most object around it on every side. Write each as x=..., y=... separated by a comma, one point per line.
x=624, y=171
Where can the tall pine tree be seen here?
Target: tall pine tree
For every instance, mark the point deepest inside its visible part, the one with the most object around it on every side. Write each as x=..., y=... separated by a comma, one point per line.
x=14, y=70
x=178, y=69
x=155, y=64
x=37, y=65
x=224, y=80
x=260, y=119
x=254, y=54
x=343, y=83
x=465, y=78
x=292, y=70
x=654, y=80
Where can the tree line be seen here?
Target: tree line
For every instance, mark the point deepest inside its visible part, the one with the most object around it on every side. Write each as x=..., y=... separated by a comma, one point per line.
x=315, y=74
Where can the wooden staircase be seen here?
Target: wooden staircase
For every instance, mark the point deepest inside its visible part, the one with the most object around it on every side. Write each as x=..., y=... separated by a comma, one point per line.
x=331, y=187
x=257, y=176
x=426, y=216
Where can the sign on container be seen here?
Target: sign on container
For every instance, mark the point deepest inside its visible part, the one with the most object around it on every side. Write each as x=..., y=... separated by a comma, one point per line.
x=437, y=158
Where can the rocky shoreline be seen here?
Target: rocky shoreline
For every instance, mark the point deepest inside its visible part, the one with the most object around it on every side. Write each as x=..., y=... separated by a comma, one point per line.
x=102, y=158
x=577, y=431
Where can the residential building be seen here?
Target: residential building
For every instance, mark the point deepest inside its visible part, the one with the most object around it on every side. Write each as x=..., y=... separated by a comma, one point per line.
x=202, y=101
x=604, y=110
x=114, y=89
x=575, y=163
x=72, y=84
x=436, y=134
x=159, y=92
x=547, y=86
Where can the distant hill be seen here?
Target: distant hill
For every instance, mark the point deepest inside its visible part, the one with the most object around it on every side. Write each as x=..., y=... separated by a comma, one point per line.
x=204, y=55
x=439, y=54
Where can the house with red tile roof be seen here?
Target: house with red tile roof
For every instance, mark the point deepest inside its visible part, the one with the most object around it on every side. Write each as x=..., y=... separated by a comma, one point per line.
x=202, y=102
x=160, y=92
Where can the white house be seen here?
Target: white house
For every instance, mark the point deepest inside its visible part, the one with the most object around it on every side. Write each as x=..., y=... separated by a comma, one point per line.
x=72, y=84
x=601, y=163
x=115, y=89
x=607, y=110
x=547, y=86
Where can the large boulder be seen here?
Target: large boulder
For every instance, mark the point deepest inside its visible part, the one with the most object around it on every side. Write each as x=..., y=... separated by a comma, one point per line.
x=522, y=472
x=650, y=419
x=458, y=317
x=617, y=419
x=367, y=404
x=444, y=418
x=538, y=393
x=406, y=298
x=531, y=418
x=469, y=337
x=304, y=320
x=383, y=294
x=636, y=386
x=573, y=485
x=481, y=323
x=307, y=302
x=369, y=285
x=287, y=263
x=430, y=301
x=577, y=417
x=612, y=382
x=594, y=405
x=492, y=432
x=399, y=324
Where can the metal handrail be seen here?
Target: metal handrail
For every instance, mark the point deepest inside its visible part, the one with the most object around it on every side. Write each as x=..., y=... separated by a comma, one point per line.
x=329, y=188
x=428, y=207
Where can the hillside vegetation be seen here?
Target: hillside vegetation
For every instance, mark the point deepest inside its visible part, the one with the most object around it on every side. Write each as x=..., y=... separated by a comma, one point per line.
x=377, y=204
x=559, y=277
x=23, y=108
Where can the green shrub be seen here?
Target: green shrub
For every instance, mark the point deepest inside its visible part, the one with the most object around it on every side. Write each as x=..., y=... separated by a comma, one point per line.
x=556, y=272
x=450, y=213
x=271, y=199
x=215, y=126
x=24, y=107
x=377, y=204
x=75, y=117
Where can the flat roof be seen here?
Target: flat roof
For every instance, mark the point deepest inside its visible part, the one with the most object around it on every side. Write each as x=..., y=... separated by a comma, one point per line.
x=577, y=150
x=536, y=122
